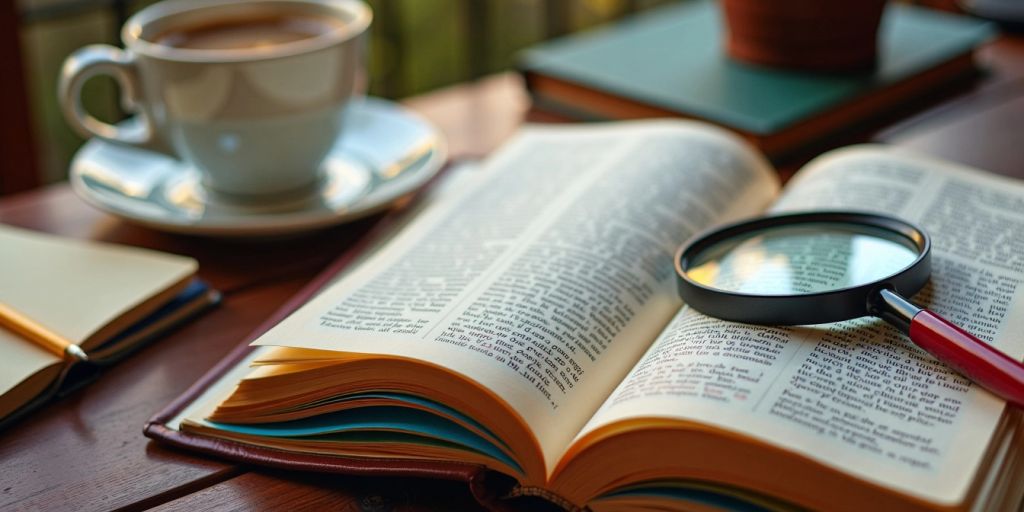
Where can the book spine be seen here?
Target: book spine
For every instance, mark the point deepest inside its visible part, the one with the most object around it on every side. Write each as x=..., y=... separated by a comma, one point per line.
x=544, y=494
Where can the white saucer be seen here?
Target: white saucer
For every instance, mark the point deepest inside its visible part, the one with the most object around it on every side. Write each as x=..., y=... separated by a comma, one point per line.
x=385, y=153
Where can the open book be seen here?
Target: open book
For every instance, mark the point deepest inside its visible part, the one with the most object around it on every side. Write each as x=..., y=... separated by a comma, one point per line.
x=107, y=299
x=528, y=324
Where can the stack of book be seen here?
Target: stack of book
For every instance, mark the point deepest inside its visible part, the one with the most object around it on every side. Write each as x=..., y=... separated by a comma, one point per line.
x=671, y=62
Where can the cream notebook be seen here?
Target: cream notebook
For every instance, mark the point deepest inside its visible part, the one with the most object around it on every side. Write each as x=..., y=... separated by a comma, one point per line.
x=89, y=293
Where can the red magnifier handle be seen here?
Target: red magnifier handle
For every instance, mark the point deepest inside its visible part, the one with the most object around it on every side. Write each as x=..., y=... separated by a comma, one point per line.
x=952, y=345
x=972, y=357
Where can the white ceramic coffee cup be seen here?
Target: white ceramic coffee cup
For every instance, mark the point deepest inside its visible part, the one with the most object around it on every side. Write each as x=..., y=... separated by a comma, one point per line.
x=254, y=123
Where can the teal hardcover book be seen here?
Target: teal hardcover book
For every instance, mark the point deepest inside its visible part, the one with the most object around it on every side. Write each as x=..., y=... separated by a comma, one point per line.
x=672, y=61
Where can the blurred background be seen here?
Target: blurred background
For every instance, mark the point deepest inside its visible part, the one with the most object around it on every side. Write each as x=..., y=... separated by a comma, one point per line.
x=416, y=46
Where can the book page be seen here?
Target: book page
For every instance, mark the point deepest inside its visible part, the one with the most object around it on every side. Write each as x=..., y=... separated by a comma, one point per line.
x=459, y=177
x=546, y=281
x=25, y=371
x=858, y=395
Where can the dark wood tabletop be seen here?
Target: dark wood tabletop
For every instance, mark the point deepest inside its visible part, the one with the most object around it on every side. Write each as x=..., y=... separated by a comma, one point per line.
x=86, y=452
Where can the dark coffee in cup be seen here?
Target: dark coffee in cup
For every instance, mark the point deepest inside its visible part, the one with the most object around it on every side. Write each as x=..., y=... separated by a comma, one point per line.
x=248, y=33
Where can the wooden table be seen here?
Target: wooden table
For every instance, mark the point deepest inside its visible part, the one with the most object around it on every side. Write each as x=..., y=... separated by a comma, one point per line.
x=87, y=451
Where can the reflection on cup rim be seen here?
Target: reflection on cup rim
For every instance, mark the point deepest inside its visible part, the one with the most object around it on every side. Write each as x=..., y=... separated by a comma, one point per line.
x=357, y=19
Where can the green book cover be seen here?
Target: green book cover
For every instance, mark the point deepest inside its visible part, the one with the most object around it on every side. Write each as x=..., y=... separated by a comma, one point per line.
x=674, y=58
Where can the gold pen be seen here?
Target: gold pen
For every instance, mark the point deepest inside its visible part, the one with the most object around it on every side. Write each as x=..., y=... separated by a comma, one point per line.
x=41, y=336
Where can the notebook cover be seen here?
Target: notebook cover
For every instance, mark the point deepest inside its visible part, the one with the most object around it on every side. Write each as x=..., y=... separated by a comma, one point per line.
x=673, y=58
x=487, y=486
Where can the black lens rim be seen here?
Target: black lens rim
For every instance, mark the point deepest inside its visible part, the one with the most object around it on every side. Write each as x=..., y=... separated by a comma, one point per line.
x=802, y=309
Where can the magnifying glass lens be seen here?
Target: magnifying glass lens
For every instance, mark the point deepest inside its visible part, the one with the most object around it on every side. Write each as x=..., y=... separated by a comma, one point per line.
x=818, y=267
x=802, y=259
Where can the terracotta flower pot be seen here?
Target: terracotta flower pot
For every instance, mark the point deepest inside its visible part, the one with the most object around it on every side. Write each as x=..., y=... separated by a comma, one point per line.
x=816, y=35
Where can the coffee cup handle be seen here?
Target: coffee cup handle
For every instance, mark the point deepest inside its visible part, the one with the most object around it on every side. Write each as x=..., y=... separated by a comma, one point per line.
x=101, y=59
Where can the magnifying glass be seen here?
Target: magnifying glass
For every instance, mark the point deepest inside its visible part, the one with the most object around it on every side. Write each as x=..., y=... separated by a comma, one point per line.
x=813, y=268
